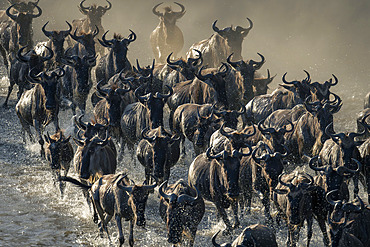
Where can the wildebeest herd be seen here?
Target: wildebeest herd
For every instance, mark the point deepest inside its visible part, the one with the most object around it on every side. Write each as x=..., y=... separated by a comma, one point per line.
x=247, y=143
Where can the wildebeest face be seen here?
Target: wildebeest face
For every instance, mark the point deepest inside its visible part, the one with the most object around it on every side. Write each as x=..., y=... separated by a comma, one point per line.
x=54, y=149
x=50, y=87
x=138, y=199
x=94, y=12
x=174, y=224
x=230, y=169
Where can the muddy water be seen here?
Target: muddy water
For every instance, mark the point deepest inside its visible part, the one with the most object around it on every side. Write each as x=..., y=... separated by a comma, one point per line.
x=32, y=212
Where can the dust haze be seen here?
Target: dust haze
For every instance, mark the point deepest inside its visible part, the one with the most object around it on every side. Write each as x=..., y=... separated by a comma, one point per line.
x=322, y=37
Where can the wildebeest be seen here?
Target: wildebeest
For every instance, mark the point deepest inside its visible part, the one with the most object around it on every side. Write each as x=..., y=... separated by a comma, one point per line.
x=146, y=113
x=360, y=118
x=19, y=6
x=85, y=43
x=254, y=235
x=320, y=91
x=93, y=18
x=39, y=106
x=94, y=158
x=182, y=209
x=76, y=84
x=194, y=122
x=116, y=60
x=260, y=173
x=20, y=67
x=56, y=44
x=158, y=152
x=59, y=154
x=216, y=177
x=17, y=32
x=167, y=37
x=293, y=199
x=220, y=45
x=113, y=195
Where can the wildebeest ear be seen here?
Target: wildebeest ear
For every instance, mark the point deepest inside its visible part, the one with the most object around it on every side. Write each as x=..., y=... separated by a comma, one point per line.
x=281, y=191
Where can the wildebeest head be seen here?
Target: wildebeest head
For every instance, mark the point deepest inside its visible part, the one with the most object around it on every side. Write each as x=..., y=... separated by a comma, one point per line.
x=169, y=17
x=55, y=145
x=260, y=85
x=247, y=239
x=229, y=167
x=334, y=176
x=187, y=68
x=21, y=6
x=321, y=90
x=202, y=126
x=272, y=165
x=57, y=38
x=93, y=12
x=118, y=44
x=155, y=103
x=230, y=117
x=276, y=136
x=114, y=97
x=237, y=138
x=90, y=152
x=160, y=143
x=138, y=196
x=35, y=62
x=86, y=39
x=82, y=67
x=346, y=141
x=24, y=21
x=49, y=82
x=298, y=196
x=177, y=197
x=90, y=129
x=301, y=88
x=234, y=37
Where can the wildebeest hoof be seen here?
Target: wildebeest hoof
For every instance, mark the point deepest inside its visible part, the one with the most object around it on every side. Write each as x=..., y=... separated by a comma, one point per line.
x=121, y=241
x=131, y=241
x=95, y=219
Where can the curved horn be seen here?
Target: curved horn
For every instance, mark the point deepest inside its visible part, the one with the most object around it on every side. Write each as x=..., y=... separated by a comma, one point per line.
x=96, y=31
x=194, y=61
x=315, y=168
x=132, y=36
x=161, y=192
x=340, y=135
x=155, y=10
x=255, y=158
x=242, y=110
x=335, y=81
x=13, y=17
x=214, y=239
x=151, y=187
x=288, y=82
x=329, y=195
x=224, y=73
x=289, y=185
x=81, y=123
x=179, y=62
x=82, y=6
x=182, y=8
x=250, y=25
x=187, y=198
x=22, y=58
x=251, y=134
x=141, y=98
x=66, y=32
x=265, y=130
x=47, y=33
x=210, y=156
x=100, y=90
x=259, y=64
x=109, y=6
x=223, y=132
x=39, y=11
x=51, y=54
x=234, y=64
x=308, y=78
x=165, y=96
x=214, y=27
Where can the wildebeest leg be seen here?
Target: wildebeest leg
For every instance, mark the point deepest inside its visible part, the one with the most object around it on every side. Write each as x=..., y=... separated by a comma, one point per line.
x=322, y=226
x=293, y=235
x=266, y=203
x=234, y=206
x=38, y=128
x=98, y=208
x=131, y=237
x=309, y=230
x=224, y=217
x=3, y=53
x=355, y=185
x=10, y=89
x=193, y=232
x=107, y=218
x=56, y=122
x=183, y=153
x=120, y=232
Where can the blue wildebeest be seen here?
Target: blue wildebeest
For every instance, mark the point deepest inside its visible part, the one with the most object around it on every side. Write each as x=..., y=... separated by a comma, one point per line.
x=292, y=196
x=39, y=106
x=20, y=67
x=217, y=178
x=59, y=153
x=182, y=209
x=158, y=152
x=221, y=44
x=113, y=195
x=254, y=235
x=116, y=60
x=76, y=84
x=93, y=18
x=167, y=37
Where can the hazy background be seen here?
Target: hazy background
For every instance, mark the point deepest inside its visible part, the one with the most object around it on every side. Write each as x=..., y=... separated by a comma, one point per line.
x=322, y=37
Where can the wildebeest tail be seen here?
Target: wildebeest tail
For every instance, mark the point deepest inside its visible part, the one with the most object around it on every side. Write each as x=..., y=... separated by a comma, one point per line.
x=75, y=182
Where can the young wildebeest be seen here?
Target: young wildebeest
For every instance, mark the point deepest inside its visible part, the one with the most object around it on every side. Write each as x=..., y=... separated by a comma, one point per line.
x=217, y=178
x=59, y=154
x=112, y=195
x=182, y=208
x=255, y=235
x=40, y=105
